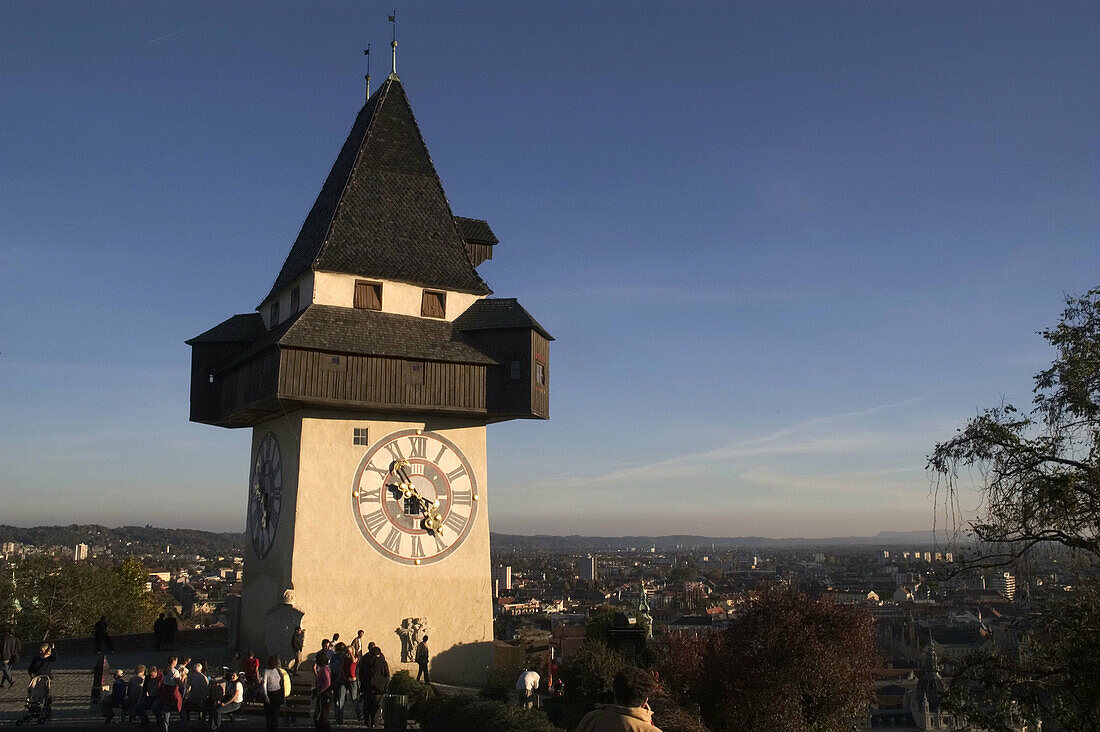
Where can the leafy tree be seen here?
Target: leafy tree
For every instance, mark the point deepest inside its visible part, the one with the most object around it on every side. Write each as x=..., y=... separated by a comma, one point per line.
x=589, y=672
x=787, y=663
x=64, y=599
x=1040, y=486
x=1041, y=471
x=1055, y=677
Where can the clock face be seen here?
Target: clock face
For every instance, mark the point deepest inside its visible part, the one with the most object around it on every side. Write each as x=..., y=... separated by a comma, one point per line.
x=414, y=497
x=265, y=494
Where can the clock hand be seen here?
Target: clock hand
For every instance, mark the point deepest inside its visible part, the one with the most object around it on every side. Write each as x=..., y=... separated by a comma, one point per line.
x=431, y=521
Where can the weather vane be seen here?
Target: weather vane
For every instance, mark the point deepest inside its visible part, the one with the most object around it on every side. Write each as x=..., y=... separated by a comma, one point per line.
x=393, y=44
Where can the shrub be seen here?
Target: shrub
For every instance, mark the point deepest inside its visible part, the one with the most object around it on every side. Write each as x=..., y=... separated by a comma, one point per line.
x=402, y=682
x=501, y=683
x=471, y=714
x=589, y=672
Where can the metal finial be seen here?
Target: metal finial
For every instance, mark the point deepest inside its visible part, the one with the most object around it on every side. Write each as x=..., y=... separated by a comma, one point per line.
x=367, y=77
x=393, y=44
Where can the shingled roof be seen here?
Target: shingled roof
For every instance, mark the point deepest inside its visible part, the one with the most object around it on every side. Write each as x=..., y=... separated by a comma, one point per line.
x=374, y=333
x=476, y=231
x=491, y=313
x=243, y=328
x=382, y=211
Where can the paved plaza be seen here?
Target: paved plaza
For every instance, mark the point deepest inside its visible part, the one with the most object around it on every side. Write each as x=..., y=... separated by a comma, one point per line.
x=72, y=689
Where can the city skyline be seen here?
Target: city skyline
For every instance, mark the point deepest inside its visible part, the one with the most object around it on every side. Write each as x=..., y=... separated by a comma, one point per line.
x=784, y=249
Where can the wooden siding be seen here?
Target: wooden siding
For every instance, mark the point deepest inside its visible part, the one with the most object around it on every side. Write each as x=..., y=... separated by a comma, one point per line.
x=368, y=295
x=478, y=253
x=237, y=387
x=379, y=380
x=540, y=393
x=433, y=304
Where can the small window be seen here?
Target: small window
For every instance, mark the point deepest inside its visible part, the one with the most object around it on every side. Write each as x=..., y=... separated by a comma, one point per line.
x=434, y=304
x=540, y=373
x=359, y=436
x=368, y=295
x=412, y=507
x=211, y=378
x=414, y=373
x=332, y=362
x=517, y=370
x=295, y=299
x=274, y=313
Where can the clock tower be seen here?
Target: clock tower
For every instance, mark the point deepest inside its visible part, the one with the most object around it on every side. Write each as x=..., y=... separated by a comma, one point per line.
x=368, y=375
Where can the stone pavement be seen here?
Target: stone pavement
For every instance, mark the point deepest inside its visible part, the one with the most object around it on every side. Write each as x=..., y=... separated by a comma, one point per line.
x=72, y=687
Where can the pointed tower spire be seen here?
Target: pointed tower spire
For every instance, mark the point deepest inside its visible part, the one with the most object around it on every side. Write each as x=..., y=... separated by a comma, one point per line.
x=367, y=77
x=393, y=45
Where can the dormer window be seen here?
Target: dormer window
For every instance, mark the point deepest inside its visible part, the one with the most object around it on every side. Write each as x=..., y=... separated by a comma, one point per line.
x=274, y=314
x=368, y=295
x=434, y=304
x=295, y=299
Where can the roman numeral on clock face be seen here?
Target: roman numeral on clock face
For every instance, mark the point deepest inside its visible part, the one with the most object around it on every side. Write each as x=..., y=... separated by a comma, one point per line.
x=370, y=496
x=417, y=548
x=393, y=541
x=394, y=449
x=455, y=523
x=375, y=521
x=418, y=447
x=439, y=545
x=381, y=471
x=456, y=473
x=461, y=498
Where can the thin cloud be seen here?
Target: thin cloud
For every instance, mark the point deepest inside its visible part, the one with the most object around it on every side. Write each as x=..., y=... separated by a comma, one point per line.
x=173, y=34
x=682, y=465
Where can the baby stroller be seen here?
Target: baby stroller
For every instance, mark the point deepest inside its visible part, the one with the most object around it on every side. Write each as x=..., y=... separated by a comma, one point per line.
x=38, y=701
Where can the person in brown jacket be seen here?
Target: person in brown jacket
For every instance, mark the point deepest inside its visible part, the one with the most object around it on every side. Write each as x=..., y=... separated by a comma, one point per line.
x=630, y=712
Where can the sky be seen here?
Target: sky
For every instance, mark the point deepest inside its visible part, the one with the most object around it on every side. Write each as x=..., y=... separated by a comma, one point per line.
x=784, y=247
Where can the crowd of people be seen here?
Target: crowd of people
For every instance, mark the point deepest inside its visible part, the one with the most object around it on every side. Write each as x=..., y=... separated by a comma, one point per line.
x=347, y=674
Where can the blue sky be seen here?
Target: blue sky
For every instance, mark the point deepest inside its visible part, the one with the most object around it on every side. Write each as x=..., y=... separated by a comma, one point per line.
x=785, y=246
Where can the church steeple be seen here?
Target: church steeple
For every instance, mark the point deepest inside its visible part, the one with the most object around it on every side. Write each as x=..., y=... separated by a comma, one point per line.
x=382, y=211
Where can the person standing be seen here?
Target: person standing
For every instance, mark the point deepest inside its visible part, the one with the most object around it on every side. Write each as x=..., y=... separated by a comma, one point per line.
x=322, y=693
x=273, y=691
x=526, y=686
x=135, y=691
x=170, y=699
x=149, y=693
x=422, y=658
x=42, y=664
x=158, y=632
x=9, y=656
x=348, y=688
x=375, y=678
x=357, y=646
x=171, y=627
x=234, y=697
x=297, y=644
x=102, y=640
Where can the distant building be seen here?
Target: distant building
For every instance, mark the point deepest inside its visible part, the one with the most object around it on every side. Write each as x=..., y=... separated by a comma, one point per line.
x=1005, y=584
x=80, y=552
x=8, y=548
x=588, y=568
x=502, y=579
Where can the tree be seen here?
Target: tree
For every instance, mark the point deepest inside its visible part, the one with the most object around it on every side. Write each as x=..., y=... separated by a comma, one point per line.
x=1040, y=486
x=1041, y=471
x=787, y=663
x=64, y=599
x=589, y=671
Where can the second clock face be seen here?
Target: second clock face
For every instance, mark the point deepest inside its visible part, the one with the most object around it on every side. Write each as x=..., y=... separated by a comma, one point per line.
x=401, y=475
